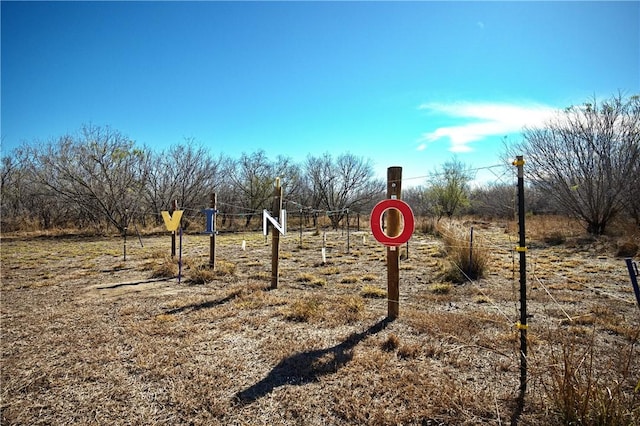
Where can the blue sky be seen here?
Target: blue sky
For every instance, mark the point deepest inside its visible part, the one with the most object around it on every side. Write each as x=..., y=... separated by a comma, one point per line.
x=406, y=84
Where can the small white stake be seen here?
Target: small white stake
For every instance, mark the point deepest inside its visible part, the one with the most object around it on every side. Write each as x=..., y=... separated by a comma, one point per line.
x=244, y=245
x=324, y=255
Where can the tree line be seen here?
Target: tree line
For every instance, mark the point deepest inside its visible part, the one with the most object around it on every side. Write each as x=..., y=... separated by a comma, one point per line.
x=100, y=178
x=584, y=163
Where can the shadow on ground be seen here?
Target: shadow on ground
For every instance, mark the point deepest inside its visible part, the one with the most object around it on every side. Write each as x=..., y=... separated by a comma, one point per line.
x=307, y=367
x=131, y=284
x=203, y=305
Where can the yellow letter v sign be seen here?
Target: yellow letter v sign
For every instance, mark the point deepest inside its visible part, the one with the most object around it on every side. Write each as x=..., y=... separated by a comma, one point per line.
x=172, y=222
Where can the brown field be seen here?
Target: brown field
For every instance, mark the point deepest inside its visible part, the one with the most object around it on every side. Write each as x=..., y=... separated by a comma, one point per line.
x=88, y=338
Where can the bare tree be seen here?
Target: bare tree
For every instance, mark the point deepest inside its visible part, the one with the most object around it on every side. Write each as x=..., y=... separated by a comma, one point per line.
x=252, y=178
x=185, y=172
x=100, y=171
x=344, y=183
x=16, y=192
x=631, y=198
x=587, y=158
x=417, y=198
x=496, y=200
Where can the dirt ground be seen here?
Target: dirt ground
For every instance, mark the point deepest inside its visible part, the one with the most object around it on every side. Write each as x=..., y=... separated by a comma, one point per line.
x=89, y=338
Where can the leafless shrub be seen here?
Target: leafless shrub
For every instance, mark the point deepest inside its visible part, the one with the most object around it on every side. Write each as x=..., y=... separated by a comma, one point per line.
x=627, y=248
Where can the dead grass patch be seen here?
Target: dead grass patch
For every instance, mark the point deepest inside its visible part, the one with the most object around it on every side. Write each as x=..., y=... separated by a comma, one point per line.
x=440, y=288
x=303, y=310
x=122, y=346
x=311, y=280
x=373, y=292
x=468, y=260
x=391, y=343
x=167, y=268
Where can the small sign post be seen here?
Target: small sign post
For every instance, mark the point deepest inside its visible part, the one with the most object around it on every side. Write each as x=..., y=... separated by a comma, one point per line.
x=275, y=236
x=394, y=236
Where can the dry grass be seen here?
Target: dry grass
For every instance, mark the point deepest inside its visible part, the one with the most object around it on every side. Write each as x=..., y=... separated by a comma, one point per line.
x=88, y=338
x=440, y=288
x=373, y=292
x=469, y=260
x=311, y=279
x=167, y=268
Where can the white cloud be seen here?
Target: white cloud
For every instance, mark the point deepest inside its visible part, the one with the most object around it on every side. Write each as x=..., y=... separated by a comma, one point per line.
x=482, y=120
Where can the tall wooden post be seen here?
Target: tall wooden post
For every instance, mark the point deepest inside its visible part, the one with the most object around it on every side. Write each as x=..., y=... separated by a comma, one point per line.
x=275, y=235
x=348, y=233
x=212, y=241
x=394, y=181
x=522, y=250
x=126, y=222
x=174, y=207
x=300, y=228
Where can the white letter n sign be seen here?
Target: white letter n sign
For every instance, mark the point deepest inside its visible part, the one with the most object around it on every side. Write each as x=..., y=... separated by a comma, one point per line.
x=282, y=228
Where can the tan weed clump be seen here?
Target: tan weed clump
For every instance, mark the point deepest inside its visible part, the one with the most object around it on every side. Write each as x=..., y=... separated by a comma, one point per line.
x=346, y=310
x=303, y=310
x=411, y=350
x=467, y=260
x=201, y=275
x=373, y=292
x=167, y=268
x=331, y=270
x=440, y=288
x=311, y=280
x=224, y=268
x=551, y=229
x=351, y=279
x=391, y=343
x=581, y=391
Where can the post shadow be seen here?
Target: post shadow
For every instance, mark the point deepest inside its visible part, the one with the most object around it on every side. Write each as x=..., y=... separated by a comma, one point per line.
x=132, y=283
x=518, y=409
x=307, y=367
x=203, y=305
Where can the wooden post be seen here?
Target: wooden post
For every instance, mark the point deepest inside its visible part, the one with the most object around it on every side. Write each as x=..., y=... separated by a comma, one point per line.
x=394, y=187
x=470, y=253
x=275, y=235
x=522, y=250
x=126, y=221
x=180, y=257
x=348, y=232
x=174, y=207
x=300, y=228
x=212, y=241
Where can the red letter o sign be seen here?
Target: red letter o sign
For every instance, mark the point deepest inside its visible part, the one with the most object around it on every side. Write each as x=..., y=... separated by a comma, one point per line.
x=376, y=222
